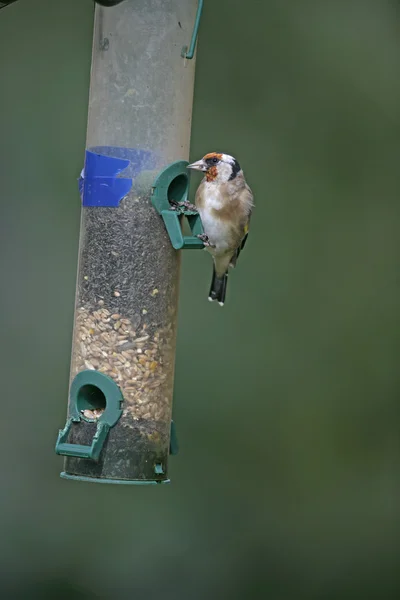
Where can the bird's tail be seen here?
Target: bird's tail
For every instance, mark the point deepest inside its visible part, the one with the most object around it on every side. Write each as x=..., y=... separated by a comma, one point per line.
x=218, y=288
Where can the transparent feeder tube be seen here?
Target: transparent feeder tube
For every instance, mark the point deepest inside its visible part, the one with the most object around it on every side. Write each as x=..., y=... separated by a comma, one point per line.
x=140, y=109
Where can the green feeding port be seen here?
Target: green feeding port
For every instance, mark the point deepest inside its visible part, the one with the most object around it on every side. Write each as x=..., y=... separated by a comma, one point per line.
x=171, y=188
x=95, y=399
x=90, y=397
x=94, y=391
x=178, y=189
x=113, y=453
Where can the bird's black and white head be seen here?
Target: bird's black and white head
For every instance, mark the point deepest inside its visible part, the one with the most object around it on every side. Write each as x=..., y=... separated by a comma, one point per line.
x=218, y=168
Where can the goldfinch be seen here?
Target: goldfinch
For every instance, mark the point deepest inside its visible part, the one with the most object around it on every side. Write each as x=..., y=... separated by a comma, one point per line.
x=224, y=202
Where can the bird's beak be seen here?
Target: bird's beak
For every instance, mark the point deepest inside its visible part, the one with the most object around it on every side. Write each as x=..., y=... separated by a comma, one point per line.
x=199, y=165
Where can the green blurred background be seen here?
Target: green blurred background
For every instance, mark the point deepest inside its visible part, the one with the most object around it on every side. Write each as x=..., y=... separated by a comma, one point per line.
x=287, y=483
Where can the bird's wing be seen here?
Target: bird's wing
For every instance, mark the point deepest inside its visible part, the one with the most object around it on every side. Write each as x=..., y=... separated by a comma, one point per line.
x=245, y=225
x=246, y=234
x=240, y=248
x=248, y=201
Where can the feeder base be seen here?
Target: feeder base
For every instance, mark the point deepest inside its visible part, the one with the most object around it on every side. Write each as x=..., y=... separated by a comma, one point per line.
x=65, y=475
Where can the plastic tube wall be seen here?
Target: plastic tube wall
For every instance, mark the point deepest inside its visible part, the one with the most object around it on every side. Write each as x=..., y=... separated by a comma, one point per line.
x=139, y=121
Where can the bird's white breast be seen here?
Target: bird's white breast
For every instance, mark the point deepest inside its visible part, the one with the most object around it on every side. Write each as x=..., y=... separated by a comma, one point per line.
x=212, y=196
x=216, y=229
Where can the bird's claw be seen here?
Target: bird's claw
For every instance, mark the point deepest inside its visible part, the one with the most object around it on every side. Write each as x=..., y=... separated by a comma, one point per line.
x=186, y=205
x=189, y=206
x=205, y=239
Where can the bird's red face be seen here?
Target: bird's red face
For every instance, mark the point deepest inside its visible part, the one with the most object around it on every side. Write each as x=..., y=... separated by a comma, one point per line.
x=217, y=167
x=212, y=160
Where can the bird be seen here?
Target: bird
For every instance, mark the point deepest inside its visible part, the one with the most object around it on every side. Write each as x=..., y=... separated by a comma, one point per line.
x=225, y=203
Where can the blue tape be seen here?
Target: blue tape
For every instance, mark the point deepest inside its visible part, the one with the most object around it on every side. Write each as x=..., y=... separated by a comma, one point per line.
x=99, y=184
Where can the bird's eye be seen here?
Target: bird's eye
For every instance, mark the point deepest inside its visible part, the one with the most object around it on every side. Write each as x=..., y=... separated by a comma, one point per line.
x=215, y=159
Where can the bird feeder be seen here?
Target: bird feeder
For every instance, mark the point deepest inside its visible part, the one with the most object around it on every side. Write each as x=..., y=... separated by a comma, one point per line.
x=133, y=186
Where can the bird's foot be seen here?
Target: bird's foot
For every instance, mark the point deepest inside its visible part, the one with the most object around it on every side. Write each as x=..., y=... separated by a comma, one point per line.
x=206, y=241
x=188, y=206
x=185, y=204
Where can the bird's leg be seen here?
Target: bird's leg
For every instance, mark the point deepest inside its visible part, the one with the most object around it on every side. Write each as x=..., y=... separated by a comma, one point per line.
x=206, y=241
